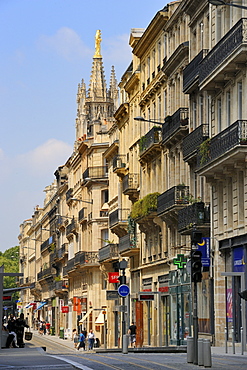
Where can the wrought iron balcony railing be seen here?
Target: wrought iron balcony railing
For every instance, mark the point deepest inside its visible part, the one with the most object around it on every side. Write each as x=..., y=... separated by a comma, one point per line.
x=173, y=124
x=127, y=243
x=46, y=273
x=192, y=141
x=177, y=195
x=196, y=214
x=120, y=215
x=218, y=145
x=108, y=252
x=97, y=172
x=82, y=215
x=223, y=49
x=62, y=251
x=152, y=137
x=71, y=227
x=130, y=182
x=69, y=267
x=69, y=195
x=47, y=243
x=191, y=72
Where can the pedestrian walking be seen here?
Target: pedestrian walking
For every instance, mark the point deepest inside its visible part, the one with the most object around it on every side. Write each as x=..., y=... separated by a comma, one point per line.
x=132, y=332
x=81, y=343
x=20, y=325
x=91, y=338
x=75, y=338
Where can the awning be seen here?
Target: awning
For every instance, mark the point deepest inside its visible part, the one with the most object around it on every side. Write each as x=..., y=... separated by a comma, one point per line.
x=40, y=306
x=100, y=319
x=85, y=316
x=29, y=305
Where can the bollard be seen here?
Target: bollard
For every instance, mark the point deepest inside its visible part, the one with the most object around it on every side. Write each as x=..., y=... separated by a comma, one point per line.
x=242, y=340
x=200, y=352
x=225, y=339
x=190, y=349
x=233, y=341
x=125, y=344
x=207, y=353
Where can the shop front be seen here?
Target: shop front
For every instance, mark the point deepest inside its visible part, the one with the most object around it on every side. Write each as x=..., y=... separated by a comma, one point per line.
x=179, y=317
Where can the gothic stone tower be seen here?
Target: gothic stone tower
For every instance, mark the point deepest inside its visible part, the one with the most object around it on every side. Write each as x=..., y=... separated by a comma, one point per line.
x=98, y=104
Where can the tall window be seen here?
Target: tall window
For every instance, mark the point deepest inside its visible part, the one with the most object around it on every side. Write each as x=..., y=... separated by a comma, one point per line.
x=159, y=53
x=194, y=113
x=219, y=114
x=240, y=100
x=154, y=110
x=159, y=108
x=165, y=103
x=228, y=108
x=148, y=68
x=201, y=110
x=165, y=46
x=218, y=25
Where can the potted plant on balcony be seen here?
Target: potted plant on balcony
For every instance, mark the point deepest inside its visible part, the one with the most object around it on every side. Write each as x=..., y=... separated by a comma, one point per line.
x=204, y=151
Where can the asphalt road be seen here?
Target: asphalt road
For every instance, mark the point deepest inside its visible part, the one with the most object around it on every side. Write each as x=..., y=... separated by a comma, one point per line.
x=60, y=355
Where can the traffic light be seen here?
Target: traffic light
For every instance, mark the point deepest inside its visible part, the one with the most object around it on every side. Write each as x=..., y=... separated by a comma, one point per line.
x=196, y=266
x=122, y=279
x=196, y=237
x=243, y=295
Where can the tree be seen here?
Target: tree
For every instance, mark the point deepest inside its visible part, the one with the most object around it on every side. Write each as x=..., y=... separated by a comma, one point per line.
x=10, y=260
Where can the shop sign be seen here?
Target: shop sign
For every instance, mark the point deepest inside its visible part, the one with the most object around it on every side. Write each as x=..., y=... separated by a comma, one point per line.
x=180, y=261
x=65, y=309
x=111, y=295
x=164, y=289
x=146, y=296
x=238, y=259
x=204, y=247
x=113, y=277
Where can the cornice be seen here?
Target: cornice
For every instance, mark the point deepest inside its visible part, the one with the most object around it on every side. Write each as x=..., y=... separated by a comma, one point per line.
x=151, y=32
x=134, y=80
x=176, y=58
x=122, y=111
x=112, y=150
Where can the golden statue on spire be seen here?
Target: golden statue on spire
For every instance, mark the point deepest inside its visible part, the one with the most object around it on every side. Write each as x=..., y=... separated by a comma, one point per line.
x=97, y=44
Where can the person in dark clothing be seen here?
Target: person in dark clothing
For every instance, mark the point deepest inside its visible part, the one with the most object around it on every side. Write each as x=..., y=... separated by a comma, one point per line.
x=132, y=332
x=81, y=343
x=11, y=326
x=20, y=325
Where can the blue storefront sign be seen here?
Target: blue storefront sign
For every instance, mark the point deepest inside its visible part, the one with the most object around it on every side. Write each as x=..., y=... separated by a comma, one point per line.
x=204, y=247
x=238, y=259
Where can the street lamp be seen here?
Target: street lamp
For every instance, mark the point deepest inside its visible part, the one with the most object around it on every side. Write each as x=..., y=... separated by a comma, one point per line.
x=222, y=2
x=84, y=201
x=140, y=118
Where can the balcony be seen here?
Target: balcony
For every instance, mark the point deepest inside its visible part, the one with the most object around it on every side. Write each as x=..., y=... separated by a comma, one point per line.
x=131, y=184
x=128, y=246
x=69, y=195
x=171, y=201
x=95, y=173
x=82, y=216
x=47, y=273
x=149, y=145
x=63, y=251
x=221, y=154
x=175, y=127
x=45, y=245
x=108, y=253
x=192, y=142
x=84, y=259
x=195, y=215
x=71, y=228
x=118, y=221
x=61, y=287
x=119, y=165
x=227, y=57
x=69, y=267
x=191, y=72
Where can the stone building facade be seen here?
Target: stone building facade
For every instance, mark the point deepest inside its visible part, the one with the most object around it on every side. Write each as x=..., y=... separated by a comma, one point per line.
x=147, y=172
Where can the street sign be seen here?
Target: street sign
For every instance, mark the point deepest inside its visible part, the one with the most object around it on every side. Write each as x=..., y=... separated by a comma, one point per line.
x=111, y=295
x=123, y=290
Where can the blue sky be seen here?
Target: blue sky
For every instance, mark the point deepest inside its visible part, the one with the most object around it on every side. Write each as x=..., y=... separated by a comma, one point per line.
x=47, y=47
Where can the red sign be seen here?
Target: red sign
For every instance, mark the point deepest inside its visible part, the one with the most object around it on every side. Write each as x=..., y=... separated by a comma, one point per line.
x=65, y=309
x=7, y=298
x=164, y=289
x=113, y=277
